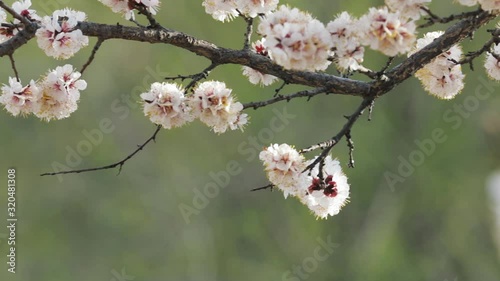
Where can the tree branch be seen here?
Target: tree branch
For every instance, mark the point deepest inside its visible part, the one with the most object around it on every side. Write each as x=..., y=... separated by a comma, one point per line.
x=306, y=93
x=329, y=144
x=118, y=164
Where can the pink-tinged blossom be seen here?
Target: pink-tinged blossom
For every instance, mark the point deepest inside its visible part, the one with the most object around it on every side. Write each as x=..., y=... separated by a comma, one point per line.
x=284, y=166
x=411, y=9
x=165, y=105
x=344, y=31
x=214, y=105
x=23, y=8
x=254, y=76
x=226, y=10
x=58, y=36
x=295, y=40
x=442, y=77
x=126, y=7
x=60, y=93
x=17, y=99
x=387, y=32
x=327, y=192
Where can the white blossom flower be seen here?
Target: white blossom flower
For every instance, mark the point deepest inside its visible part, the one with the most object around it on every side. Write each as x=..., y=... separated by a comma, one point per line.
x=387, y=32
x=226, y=10
x=126, y=7
x=252, y=8
x=295, y=40
x=327, y=195
x=165, y=105
x=151, y=5
x=121, y=7
x=5, y=32
x=284, y=166
x=408, y=8
x=490, y=5
x=18, y=99
x=254, y=76
x=441, y=77
x=221, y=10
x=487, y=5
x=22, y=7
x=58, y=36
x=344, y=30
x=492, y=64
x=60, y=93
x=214, y=105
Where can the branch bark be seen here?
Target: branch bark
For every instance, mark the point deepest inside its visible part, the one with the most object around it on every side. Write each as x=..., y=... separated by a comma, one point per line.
x=220, y=55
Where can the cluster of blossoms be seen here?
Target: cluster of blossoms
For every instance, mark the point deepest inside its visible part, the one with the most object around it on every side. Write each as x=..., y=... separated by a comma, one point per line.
x=54, y=96
x=443, y=76
x=58, y=36
x=126, y=7
x=346, y=42
x=295, y=40
x=387, y=32
x=487, y=5
x=223, y=10
x=165, y=104
x=323, y=191
x=409, y=9
x=255, y=76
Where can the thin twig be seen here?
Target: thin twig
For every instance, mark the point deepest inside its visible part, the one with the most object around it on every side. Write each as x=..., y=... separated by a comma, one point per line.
x=350, y=145
x=329, y=144
x=305, y=93
x=264, y=187
x=92, y=55
x=370, y=110
x=13, y=64
x=202, y=75
x=118, y=164
x=248, y=33
x=433, y=18
x=144, y=11
x=495, y=39
x=195, y=77
x=278, y=90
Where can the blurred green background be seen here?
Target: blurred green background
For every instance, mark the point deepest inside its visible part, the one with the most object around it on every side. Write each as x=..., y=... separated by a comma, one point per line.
x=436, y=225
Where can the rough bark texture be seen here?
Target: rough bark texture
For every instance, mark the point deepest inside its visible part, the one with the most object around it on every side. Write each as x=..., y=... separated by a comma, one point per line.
x=220, y=55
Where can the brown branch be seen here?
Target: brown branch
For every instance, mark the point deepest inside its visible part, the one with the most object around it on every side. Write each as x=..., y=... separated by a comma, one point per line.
x=433, y=18
x=118, y=164
x=329, y=144
x=221, y=55
x=264, y=187
x=195, y=77
x=495, y=39
x=92, y=55
x=248, y=33
x=408, y=67
x=350, y=145
x=306, y=93
x=13, y=65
